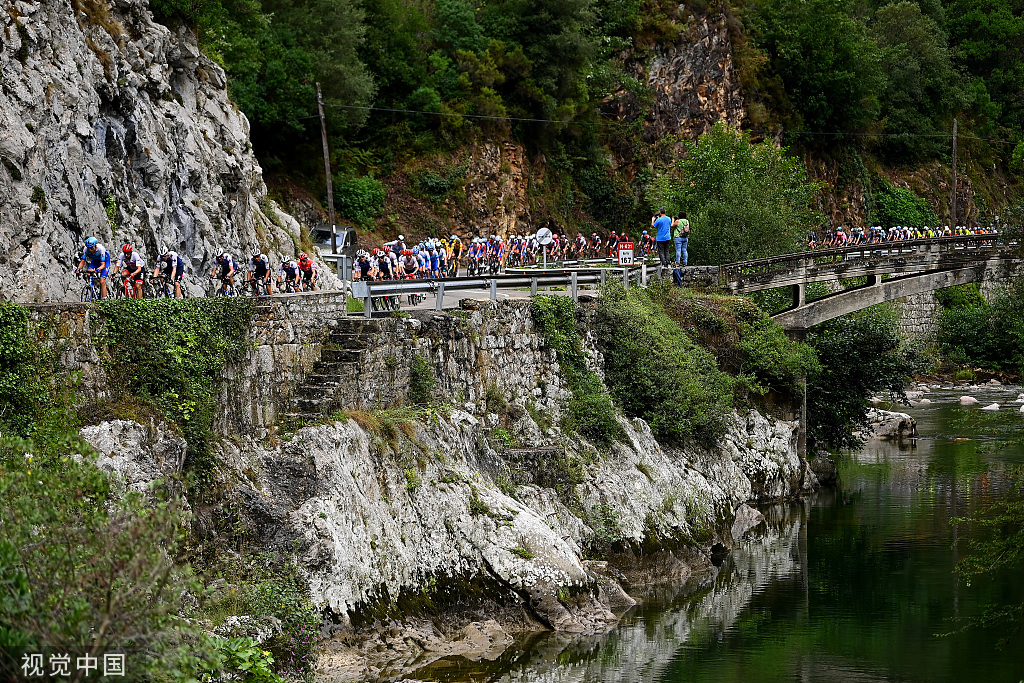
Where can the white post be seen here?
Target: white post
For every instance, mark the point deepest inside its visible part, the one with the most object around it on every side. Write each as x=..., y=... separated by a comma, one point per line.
x=575, y=296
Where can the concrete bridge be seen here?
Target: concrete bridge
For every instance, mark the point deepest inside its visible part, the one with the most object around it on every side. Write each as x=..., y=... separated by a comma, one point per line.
x=893, y=270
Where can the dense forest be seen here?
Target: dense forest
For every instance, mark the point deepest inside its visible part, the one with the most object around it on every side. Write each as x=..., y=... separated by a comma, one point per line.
x=864, y=94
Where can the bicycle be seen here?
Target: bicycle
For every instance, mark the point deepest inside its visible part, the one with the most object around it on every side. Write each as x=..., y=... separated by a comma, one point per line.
x=225, y=289
x=90, y=290
x=162, y=289
x=127, y=288
x=256, y=287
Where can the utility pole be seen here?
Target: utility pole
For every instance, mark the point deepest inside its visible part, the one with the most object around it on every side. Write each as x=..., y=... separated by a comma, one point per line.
x=952, y=203
x=327, y=170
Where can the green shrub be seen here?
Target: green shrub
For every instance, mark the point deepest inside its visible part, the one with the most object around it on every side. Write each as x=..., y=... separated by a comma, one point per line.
x=590, y=411
x=436, y=186
x=745, y=341
x=24, y=366
x=860, y=355
x=961, y=295
x=899, y=206
x=79, y=564
x=656, y=372
x=39, y=197
x=421, y=381
x=172, y=352
x=359, y=199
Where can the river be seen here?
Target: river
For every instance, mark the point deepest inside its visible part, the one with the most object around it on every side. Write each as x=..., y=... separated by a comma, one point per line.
x=855, y=584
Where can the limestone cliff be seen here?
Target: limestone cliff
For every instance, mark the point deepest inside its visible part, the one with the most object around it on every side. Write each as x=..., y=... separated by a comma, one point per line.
x=482, y=507
x=114, y=126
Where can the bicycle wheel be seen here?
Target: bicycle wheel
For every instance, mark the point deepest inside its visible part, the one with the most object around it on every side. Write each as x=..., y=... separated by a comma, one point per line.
x=86, y=293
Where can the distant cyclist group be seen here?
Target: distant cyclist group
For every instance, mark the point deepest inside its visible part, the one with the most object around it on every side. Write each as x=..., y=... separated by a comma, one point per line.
x=256, y=277
x=447, y=256
x=876, y=234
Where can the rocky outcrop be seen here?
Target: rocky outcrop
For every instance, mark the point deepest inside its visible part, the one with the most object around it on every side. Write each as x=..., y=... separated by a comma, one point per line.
x=886, y=424
x=496, y=200
x=693, y=84
x=117, y=127
x=440, y=511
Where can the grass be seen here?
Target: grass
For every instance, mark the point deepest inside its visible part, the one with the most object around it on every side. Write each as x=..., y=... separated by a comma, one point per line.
x=523, y=552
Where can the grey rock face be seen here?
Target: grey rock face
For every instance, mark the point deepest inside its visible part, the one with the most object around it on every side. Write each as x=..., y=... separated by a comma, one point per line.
x=885, y=424
x=123, y=132
x=136, y=456
x=694, y=83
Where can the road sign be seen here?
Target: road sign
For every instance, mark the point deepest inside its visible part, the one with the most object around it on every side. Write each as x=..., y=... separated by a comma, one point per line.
x=625, y=253
x=544, y=237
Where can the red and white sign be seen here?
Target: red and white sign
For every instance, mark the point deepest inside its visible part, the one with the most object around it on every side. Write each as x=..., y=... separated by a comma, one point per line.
x=625, y=253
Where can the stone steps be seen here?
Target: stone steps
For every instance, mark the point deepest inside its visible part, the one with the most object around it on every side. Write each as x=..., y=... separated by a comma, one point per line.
x=339, y=355
x=338, y=363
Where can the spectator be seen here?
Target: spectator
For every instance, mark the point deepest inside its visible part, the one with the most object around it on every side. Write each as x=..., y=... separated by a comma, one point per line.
x=681, y=235
x=662, y=224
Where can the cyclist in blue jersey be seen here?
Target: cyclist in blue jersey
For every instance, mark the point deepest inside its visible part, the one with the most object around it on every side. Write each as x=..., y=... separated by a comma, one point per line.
x=95, y=261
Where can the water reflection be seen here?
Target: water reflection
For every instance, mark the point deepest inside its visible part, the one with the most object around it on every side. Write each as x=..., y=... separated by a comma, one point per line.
x=852, y=585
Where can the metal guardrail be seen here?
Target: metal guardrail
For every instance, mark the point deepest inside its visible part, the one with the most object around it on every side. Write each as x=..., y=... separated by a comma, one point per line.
x=571, y=279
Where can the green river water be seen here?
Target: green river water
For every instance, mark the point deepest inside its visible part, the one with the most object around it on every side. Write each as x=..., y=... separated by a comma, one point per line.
x=851, y=585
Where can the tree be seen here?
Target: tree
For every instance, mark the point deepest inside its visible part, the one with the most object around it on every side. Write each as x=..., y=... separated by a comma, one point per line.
x=860, y=355
x=987, y=37
x=744, y=200
x=921, y=89
x=829, y=67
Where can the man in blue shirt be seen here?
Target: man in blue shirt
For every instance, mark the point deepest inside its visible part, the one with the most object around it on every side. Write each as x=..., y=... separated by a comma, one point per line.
x=663, y=225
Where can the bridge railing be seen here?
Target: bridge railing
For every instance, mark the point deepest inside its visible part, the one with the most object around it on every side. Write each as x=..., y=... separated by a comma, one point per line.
x=896, y=254
x=571, y=279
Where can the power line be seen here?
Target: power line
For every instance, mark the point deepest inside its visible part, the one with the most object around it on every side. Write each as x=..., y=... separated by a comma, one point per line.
x=946, y=136
x=480, y=116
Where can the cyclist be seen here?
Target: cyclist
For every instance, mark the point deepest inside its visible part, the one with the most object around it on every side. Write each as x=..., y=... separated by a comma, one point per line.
x=364, y=265
x=409, y=263
x=579, y=246
x=170, y=266
x=397, y=246
x=613, y=243
x=595, y=246
x=132, y=267
x=308, y=271
x=645, y=244
x=96, y=261
x=386, y=268
x=224, y=270
x=259, y=272
x=455, y=249
x=288, y=276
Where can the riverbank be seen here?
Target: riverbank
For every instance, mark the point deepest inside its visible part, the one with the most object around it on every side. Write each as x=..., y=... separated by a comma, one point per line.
x=851, y=584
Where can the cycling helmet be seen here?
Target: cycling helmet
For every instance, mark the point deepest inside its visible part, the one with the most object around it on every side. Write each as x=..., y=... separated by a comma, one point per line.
x=401, y=238
x=303, y=256
x=645, y=232
x=91, y=242
x=593, y=234
x=415, y=250
x=126, y=249
x=407, y=252
x=255, y=252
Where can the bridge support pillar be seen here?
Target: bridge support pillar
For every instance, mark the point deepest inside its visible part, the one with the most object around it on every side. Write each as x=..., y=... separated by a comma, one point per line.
x=799, y=294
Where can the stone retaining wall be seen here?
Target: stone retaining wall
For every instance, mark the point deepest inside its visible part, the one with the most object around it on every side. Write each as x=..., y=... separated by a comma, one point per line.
x=494, y=344
x=489, y=344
